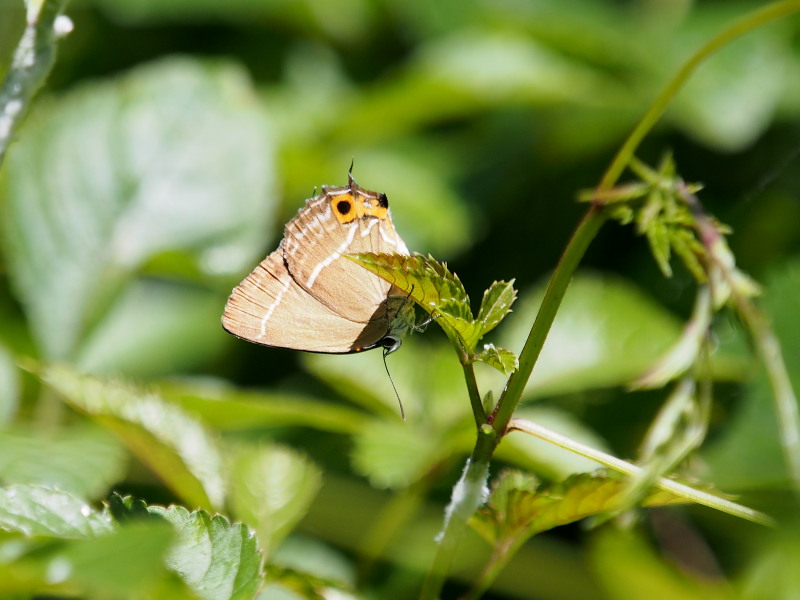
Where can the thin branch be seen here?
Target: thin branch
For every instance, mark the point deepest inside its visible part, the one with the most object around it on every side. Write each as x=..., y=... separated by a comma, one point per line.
x=679, y=489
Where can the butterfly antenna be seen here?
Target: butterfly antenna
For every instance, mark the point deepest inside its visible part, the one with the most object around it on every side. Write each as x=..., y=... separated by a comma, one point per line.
x=394, y=387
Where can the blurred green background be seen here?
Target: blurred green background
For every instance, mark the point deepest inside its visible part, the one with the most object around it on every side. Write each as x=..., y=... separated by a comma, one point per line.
x=175, y=137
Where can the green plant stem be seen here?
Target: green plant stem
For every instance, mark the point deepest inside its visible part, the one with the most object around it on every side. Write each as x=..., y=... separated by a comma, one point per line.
x=474, y=394
x=584, y=234
x=494, y=565
x=740, y=27
x=586, y=231
x=668, y=485
x=468, y=494
x=769, y=350
x=33, y=59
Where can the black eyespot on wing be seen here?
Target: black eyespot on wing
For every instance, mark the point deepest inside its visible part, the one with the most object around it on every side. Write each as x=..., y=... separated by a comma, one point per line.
x=383, y=201
x=343, y=206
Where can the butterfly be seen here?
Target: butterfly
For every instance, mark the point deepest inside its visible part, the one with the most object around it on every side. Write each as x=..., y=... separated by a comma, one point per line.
x=306, y=295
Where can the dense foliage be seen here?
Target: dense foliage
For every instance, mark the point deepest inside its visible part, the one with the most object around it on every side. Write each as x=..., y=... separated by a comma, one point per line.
x=144, y=452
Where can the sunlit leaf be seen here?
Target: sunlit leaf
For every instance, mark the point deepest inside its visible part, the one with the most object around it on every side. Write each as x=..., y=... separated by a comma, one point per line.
x=81, y=459
x=152, y=175
x=517, y=509
x=501, y=359
x=174, y=445
x=217, y=559
x=36, y=510
x=431, y=284
x=271, y=488
x=496, y=304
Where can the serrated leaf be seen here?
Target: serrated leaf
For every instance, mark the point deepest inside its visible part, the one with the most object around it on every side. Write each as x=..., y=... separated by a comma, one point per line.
x=36, y=510
x=433, y=287
x=688, y=248
x=659, y=240
x=152, y=176
x=496, y=304
x=82, y=459
x=501, y=359
x=649, y=211
x=519, y=511
x=217, y=559
x=271, y=488
x=173, y=444
x=128, y=508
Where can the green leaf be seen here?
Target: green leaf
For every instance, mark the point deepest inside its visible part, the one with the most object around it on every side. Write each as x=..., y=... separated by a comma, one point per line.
x=227, y=408
x=152, y=176
x=659, y=239
x=496, y=304
x=433, y=287
x=688, y=248
x=82, y=459
x=119, y=563
x=393, y=455
x=606, y=333
x=35, y=510
x=629, y=569
x=174, y=445
x=217, y=559
x=124, y=563
x=518, y=509
x=271, y=488
x=9, y=386
x=423, y=373
x=501, y=359
x=176, y=327
x=747, y=454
